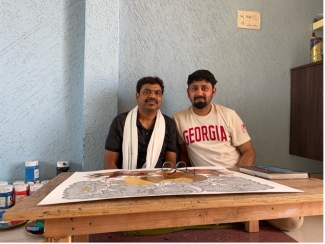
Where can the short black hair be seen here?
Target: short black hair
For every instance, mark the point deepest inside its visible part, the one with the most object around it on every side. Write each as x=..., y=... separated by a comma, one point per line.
x=150, y=80
x=201, y=74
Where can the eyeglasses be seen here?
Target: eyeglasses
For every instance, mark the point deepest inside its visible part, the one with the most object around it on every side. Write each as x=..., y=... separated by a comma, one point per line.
x=168, y=166
x=148, y=92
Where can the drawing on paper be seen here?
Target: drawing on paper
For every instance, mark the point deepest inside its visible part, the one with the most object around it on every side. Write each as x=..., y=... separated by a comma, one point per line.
x=108, y=184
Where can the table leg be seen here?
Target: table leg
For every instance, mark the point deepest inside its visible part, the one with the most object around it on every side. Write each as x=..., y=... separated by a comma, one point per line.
x=81, y=238
x=252, y=226
x=58, y=239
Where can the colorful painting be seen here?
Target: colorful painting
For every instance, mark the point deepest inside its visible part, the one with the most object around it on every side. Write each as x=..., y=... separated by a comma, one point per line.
x=112, y=184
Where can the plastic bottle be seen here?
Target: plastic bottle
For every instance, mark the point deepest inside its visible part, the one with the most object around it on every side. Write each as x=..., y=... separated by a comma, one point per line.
x=6, y=196
x=35, y=187
x=316, y=48
x=21, y=191
x=31, y=171
x=62, y=166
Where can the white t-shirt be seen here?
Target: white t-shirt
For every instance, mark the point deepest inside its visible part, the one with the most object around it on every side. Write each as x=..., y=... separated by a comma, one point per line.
x=212, y=139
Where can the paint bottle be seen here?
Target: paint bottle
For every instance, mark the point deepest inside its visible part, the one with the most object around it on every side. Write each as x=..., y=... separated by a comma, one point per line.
x=32, y=182
x=62, y=166
x=31, y=171
x=316, y=48
x=21, y=191
x=35, y=187
x=2, y=211
x=17, y=182
x=6, y=196
x=45, y=181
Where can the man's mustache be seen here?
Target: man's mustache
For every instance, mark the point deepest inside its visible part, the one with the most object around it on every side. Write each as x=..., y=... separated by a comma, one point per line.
x=151, y=99
x=199, y=97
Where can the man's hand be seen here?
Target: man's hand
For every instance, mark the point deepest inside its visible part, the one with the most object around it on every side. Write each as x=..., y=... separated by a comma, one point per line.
x=171, y=157
x=110, y=159
x=248, y=155
x=183, y=156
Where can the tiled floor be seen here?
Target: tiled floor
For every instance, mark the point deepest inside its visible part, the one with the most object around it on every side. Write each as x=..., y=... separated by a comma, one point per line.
x=18, y=234
x=311, y=231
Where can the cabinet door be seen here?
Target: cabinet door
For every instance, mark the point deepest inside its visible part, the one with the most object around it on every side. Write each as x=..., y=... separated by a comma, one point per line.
x=306, y=111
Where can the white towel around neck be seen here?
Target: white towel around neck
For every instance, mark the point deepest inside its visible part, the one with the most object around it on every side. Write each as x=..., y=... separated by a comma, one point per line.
x=130, y=141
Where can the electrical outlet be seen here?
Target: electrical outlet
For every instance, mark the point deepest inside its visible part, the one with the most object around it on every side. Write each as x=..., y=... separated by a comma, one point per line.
x=248, y=19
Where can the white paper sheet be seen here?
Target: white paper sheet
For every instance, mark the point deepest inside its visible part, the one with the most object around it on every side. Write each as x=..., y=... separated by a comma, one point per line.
x=99, y=185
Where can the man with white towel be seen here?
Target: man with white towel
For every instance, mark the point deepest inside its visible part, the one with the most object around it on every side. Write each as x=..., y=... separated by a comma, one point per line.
x=143, y=137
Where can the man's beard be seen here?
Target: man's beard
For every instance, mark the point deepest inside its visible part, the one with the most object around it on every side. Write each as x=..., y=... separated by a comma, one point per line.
x=200, y=105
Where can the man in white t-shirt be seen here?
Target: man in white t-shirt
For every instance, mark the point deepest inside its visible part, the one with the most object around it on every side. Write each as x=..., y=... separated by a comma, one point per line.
x=211, y=134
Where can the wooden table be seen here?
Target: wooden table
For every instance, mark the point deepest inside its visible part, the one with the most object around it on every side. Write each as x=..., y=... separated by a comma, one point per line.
x=62, y=221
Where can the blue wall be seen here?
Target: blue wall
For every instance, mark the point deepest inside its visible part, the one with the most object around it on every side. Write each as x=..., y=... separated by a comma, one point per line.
x=41, y=60
x=68, y=67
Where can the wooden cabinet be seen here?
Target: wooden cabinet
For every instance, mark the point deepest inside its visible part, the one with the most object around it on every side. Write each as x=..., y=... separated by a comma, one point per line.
x=306, y=111
x=318, y=25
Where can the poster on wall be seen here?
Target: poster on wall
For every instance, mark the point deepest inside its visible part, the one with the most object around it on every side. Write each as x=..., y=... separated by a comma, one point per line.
x=113, y=184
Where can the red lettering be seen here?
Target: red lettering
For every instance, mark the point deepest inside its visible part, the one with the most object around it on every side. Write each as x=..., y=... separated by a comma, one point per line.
x=212, y=133
x=223, y=134
x=197, y=133
x=191, y=135
x=204, y=133
x=217, y=133
x=185, y=137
